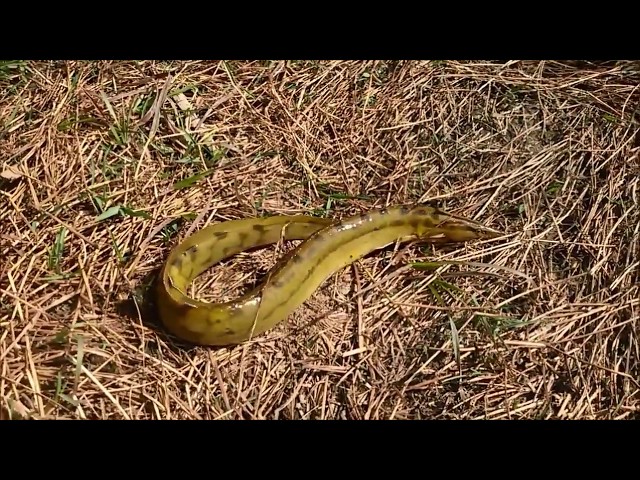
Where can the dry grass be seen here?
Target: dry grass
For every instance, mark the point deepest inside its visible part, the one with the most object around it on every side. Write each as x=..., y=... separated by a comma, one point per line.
x=547, y=151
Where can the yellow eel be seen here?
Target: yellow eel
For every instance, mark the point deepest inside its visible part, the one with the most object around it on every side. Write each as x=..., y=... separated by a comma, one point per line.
x=328, y=246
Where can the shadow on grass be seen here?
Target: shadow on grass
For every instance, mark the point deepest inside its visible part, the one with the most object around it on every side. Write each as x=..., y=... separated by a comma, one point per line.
x=141, y=306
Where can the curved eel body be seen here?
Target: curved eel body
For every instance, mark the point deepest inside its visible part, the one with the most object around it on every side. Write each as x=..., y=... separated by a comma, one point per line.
x=328, y=247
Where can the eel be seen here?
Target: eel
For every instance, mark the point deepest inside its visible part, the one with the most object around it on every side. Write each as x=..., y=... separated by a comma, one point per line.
x=327, y=247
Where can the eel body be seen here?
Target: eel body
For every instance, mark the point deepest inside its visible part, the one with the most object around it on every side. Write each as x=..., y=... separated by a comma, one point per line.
x=328, y=246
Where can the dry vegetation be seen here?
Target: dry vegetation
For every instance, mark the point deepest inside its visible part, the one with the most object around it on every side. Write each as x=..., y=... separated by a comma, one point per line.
x=543, y=324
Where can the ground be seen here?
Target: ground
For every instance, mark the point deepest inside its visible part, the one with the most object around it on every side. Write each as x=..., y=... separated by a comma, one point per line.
x=105, y=166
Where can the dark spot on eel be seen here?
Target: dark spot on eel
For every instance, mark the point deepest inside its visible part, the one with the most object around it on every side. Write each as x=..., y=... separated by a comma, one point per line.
x=397, y=223
x=228, y=331
x=427, y=222
x=259, y=228
x=243, y=237
x=192, y=250
x=214, y=321
x=276, y=283
x=221, y=235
